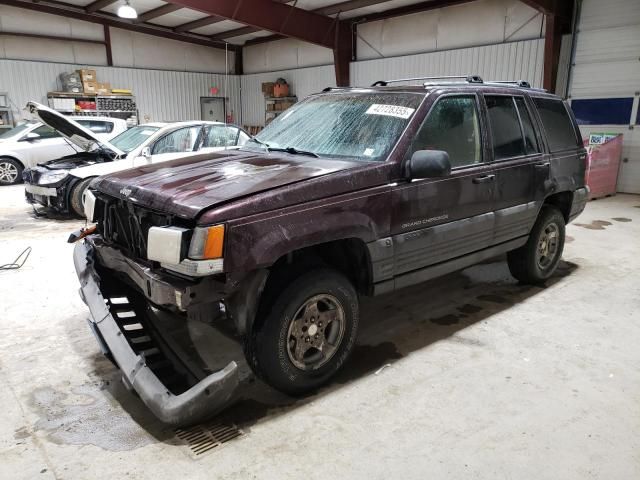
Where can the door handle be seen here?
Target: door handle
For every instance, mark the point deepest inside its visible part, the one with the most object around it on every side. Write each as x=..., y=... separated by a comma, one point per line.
x=542, y=166
x=484, y=179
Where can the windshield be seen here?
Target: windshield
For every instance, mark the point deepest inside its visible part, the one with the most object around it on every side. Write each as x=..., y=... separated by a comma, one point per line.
x=361, y=126
x=17, y=130
x=132, y=138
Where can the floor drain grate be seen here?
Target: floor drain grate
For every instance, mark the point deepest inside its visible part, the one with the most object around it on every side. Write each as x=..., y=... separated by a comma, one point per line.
x=203, y=438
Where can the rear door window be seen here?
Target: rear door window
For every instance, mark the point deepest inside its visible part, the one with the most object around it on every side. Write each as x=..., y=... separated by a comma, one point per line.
x=179, y=141
x=557, y=124
x=505, y=127
x=530, y=140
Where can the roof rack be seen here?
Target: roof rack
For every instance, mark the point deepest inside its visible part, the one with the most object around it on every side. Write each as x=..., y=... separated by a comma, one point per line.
x=466, y=78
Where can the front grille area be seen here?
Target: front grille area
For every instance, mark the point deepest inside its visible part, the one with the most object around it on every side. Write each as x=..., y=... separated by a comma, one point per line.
x=126, y=226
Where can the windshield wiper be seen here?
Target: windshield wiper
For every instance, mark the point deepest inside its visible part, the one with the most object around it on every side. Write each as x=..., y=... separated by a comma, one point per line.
x=295, y=151
x=265, y=145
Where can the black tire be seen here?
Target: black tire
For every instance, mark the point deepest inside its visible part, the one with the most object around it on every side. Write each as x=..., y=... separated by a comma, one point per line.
x=526, y=263
x=75, y=199
x=269, y=346
x=10, y=171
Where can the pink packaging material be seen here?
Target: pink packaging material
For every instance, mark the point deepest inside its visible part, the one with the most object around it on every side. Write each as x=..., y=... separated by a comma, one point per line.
x=603, y=162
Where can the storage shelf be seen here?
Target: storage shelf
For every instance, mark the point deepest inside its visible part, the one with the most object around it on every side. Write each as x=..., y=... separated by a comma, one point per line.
x=87, y=95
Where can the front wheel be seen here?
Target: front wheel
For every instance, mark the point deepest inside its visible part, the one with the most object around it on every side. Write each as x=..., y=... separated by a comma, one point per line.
x=536, y=260
x=307, y=334
x=10, y=171
x=77, y=196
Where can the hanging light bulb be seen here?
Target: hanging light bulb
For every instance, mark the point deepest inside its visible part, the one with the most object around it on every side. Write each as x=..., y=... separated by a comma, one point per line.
x=127, y=11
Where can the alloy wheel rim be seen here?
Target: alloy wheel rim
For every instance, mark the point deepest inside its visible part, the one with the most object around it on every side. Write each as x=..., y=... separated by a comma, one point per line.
x=316, y=331
x=8, y=172
x=548, y=246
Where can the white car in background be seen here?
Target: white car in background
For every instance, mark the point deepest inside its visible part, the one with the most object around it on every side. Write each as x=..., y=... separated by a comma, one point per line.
x=60, y=184
x=32, y=142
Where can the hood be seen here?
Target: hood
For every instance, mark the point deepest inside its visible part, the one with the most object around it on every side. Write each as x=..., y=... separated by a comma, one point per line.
x=187, y=186
x=72, y=131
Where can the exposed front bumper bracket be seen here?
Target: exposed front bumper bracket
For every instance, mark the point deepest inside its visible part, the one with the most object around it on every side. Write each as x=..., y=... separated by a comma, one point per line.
x=202, y=400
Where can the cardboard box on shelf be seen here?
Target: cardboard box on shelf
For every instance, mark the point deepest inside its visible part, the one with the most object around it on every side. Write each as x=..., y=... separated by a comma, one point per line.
x=90, y=87
x=103, y=88
x=267, y=89
x=87, y=75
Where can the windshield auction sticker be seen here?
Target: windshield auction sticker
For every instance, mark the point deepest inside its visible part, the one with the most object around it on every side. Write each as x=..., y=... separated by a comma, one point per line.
x=390, y=110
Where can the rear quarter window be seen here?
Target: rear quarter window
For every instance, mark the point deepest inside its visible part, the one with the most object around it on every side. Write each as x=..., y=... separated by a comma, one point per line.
x=557, y=124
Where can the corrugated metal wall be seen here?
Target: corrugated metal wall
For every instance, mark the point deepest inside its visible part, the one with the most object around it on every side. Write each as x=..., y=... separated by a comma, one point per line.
x=606, y=66
x=505, y=61
x=303, y=81
x=161, y=95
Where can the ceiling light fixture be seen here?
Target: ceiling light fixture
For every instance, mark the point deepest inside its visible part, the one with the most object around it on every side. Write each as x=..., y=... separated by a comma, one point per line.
x=127, y=11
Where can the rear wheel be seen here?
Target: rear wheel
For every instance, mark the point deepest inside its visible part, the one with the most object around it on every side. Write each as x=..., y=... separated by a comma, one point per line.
x=10, y=171
x=536, y=261
x=77, y=196
x=307, y=334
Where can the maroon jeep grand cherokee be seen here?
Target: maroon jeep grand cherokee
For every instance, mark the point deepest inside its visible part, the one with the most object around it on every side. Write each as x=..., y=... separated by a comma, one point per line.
x=351, y=192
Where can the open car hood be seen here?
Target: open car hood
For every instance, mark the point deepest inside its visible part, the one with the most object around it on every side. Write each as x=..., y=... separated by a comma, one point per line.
x=84, y=138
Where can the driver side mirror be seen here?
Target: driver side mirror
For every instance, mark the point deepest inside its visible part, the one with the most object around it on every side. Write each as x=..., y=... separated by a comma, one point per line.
x=428, y=164
x=30, y=137
x=146, y=153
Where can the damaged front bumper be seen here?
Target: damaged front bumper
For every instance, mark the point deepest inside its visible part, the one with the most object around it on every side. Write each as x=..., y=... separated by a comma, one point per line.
x=201, y=400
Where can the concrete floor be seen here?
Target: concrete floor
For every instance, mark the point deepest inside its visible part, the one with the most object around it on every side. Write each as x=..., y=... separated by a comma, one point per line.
x=484, y=378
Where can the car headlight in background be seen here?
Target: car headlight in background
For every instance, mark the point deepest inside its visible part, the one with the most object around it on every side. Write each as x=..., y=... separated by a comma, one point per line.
x=89, y=205
x=52, y=177
x=171, y=246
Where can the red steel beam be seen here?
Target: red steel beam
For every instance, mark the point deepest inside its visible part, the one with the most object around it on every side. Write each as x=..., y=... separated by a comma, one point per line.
x=107, y=45
x=272, y=16
x=562, y=8
x=98, y=5
x=64, y=10
x=158, y=12
x=50, y=37
x=328, y=10
x=203, y=22
x=552, y=42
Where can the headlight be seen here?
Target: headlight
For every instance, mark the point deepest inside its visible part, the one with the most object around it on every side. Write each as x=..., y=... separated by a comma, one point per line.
x=170, y=246
x=52, y=177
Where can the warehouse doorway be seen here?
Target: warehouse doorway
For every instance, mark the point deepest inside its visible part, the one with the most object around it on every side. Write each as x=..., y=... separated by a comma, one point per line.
x=212, y=109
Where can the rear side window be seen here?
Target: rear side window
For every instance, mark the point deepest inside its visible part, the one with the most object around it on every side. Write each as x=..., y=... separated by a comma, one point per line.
x=97, y=126
x=505, y=127
x=557, y=124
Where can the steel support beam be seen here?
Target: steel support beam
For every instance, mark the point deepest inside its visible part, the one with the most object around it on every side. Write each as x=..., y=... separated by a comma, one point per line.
x=210, y=20
x=328, y=10
x=107, y=45
x=157, y=12
x=113, y=21
x=98, y=5
x=552, y=42
x=272, y=16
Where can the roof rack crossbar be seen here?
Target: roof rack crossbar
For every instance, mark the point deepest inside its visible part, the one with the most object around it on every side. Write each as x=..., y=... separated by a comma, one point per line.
x=466, y=78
